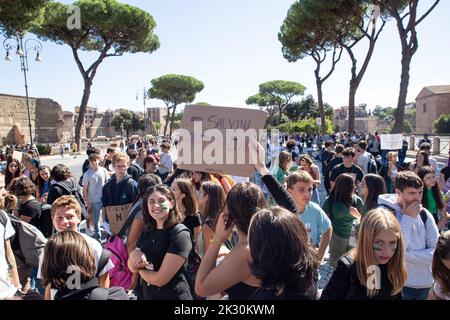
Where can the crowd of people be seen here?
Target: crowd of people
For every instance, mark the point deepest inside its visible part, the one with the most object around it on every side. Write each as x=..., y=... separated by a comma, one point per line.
x=134, y=226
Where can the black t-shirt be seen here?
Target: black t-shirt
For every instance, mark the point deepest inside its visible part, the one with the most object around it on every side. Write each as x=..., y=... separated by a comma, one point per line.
x=155, y=244
x=446, y=173
x=333, y=163
x=353, y=170
x=271, y=294
x=107, y=164
x=345, y=285
x=192, y=222
x=31, y=208
x=85, y=166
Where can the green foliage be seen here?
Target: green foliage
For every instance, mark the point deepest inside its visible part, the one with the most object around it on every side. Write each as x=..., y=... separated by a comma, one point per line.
x=174, y=89
x=308, y=126
x=43, y=149
x=275, y=95
x=442, y=124
x=307, y=108
x=105, y=24
x=301, y=33
x=202, y=104
x=19, y=16
x=128, y=121
x=407, y=127
x=157, y=125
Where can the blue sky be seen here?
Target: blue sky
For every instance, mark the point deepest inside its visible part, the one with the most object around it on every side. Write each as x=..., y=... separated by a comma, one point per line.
x=232, y=47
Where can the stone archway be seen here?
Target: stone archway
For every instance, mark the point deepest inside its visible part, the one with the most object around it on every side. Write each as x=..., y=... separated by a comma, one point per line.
x=15, y=137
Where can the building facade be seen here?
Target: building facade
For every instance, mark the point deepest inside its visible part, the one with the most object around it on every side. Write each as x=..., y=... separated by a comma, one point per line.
x=46, y=120
x=431, y=103
x=363, y=121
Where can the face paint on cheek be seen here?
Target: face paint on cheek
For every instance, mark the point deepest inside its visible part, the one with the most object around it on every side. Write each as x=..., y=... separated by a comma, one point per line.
x=393, y=247
x=376, y=247
x=165, y=206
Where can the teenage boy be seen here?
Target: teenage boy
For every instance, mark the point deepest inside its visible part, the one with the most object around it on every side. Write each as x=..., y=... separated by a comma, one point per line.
x=348, y=166
x=420, y=233
x=427, y=148
x=300, y=185
x=93, y=181
x=165, y=161
x=121, y=188
x=107, y=161
x=66, y=215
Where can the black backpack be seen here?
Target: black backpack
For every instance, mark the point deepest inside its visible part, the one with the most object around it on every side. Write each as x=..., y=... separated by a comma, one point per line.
x=46, y=220
x=422, y=213
x=74, y=191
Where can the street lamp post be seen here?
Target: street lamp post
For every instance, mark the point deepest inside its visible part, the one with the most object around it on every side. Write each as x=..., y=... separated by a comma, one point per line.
x=22, y=52
x=144, y=98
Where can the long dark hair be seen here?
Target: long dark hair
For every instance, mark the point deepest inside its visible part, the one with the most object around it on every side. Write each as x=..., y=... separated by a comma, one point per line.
x=216, y=201
x=189, y=202
x=39, y=181
x=343, y=189
x=426, y=158
x=282, y=258
x=440, y=272
x=174, y=216
x=8, y=175
x=376, y=186
x=423, y=171
x=243, y=201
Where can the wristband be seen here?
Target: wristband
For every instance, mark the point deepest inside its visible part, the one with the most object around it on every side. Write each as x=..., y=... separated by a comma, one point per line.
x=215, y=242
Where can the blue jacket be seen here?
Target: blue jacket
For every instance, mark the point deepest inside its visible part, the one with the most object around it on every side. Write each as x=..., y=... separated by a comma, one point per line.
x=124, y=192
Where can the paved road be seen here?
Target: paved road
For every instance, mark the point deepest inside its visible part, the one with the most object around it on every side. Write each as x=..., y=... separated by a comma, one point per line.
x=74, y=164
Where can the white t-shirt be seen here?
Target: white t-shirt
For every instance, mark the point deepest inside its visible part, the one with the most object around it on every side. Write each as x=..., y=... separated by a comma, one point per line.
x=166, y=160
x=95, y=180
x=7, y=289
x=97, y=251
x=433, y=163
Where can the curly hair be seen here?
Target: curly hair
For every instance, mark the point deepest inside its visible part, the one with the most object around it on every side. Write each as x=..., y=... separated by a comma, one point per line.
x=22, y=186
x=60, y=173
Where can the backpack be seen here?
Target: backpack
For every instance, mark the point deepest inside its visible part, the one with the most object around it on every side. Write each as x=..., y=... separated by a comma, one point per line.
x=193, y=261
x=28, y=242
x=46, y=220
x=75, y=191
x=120, y=275
x=422, y=213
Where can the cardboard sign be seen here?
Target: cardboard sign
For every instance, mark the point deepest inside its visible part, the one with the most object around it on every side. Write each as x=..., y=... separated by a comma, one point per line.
x=391, y=141
x=117, y=216
x=18, y=155
x=216, y=139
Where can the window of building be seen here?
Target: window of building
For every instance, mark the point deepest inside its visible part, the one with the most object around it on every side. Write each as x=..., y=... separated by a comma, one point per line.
x=424, y=108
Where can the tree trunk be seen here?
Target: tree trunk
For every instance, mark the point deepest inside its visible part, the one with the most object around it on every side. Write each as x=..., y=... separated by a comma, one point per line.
x=81, y=114
x=351, y=107
x=404, y=83
x=167, y=121
x=280, y=111
x=321, y=107
x=172, y=120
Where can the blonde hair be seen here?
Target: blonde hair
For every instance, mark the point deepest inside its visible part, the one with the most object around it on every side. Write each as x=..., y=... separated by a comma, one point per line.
x=299, y=176
x=376, y=221
x=11, y=202
x=120, y=156
x=66, y=201
x=391, y=154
